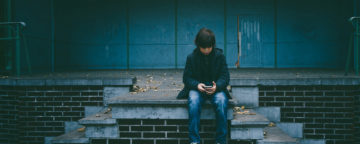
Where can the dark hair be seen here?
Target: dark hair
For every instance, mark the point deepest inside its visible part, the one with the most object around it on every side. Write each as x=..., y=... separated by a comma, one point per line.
x=205, y=38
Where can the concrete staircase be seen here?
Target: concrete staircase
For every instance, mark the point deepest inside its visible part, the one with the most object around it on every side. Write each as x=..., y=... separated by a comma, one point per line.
x=262, y=124
x=254, y=124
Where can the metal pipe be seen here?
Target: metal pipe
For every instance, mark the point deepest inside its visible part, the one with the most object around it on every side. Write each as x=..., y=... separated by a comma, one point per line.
x=17, y=51
x=275, y=34
x=10, y=23
x=225, y=30
x=128, y=34
x=52, y=39
x=176, y=33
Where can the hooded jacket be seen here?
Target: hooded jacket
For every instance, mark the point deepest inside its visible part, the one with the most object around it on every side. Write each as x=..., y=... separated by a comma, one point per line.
x=194, y=73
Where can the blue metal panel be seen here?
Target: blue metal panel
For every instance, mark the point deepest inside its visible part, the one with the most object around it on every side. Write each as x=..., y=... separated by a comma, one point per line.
x=262, y=56
x=152, y=34
x=37, y=31
x=250, y=28
x=194, y=15
x=310, y=33
x=183, y=51
x=152, y=56
x=90, y=34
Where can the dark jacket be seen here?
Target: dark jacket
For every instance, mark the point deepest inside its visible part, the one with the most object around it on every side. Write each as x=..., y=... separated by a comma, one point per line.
x=192, y=74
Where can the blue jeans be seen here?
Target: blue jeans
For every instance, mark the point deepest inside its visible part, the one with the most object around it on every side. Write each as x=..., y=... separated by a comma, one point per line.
x=219, y=101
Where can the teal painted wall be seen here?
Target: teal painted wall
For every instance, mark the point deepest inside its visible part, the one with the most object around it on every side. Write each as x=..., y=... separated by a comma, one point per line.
x=312, y=33
x=36, y=15
x=141, y=34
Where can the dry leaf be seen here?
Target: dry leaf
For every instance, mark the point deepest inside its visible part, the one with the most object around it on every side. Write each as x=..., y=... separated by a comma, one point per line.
x=236, y=109
x=271, y=124
x=81, y=129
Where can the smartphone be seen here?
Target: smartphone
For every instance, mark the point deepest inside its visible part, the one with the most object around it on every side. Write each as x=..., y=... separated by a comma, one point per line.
x=207, y=86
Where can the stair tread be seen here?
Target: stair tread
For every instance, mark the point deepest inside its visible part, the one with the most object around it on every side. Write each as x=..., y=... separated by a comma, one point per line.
x=252, y=118
x=102, y=117
x=158, y=97
x=275, y=134
x=71, y=137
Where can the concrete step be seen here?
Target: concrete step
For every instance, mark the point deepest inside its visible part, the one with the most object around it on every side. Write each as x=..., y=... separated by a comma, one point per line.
x=248, y=126
x=271, y=113
x=311, y=141
x=294, y=130
x=74, y=137
x=246, y=96
x=161, y=104
x=100, y=125
x=275, y=135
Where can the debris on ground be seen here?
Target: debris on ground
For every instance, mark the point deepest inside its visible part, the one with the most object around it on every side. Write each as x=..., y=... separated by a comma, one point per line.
x=3, y=77
x=108, y=110
x=241, y=110
x=271, y=124
x=81, y=129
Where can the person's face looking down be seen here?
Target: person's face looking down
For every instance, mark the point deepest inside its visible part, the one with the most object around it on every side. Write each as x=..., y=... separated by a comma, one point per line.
x=206, y=51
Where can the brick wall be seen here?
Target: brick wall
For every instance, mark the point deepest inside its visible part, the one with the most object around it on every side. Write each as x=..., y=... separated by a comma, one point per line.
x=160, y=131
x=326, y=111
x=28, y=114
x=8, y=114
x=42, y=111
x=357, y=115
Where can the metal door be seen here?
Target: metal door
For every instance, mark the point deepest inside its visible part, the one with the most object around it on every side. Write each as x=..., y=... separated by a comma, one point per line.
x=250, y=41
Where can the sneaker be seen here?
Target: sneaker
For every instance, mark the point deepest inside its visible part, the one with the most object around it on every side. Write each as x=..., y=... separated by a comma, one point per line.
x=193, y=143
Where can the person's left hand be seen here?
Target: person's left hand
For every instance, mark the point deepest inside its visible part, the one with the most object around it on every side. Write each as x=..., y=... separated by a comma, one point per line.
x=211, y=90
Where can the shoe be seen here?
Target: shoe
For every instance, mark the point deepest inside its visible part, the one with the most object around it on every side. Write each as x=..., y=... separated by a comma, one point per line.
x=194, y=143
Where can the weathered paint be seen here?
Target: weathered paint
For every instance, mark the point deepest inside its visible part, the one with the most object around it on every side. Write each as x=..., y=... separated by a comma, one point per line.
x=141, y=34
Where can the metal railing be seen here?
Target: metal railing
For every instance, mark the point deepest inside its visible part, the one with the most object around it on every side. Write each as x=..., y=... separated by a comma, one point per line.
x=14, y=31
x=354, y=45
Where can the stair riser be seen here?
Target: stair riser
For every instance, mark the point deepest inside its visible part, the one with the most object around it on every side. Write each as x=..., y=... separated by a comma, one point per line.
x=111, y=92
x=271, y=113
x=276, y=142
x=102, y=131
x=161, y=112
x=294, y=130
x=246, y=96
x=246, y=133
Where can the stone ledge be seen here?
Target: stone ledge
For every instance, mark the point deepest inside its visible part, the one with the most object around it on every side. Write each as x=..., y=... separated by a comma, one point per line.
x=160, y=104
x=237, y=82
x=98, y=119
x=62, y=82
x=275, y=135
x=161, y=112
x=72, y=137
x=246, y=120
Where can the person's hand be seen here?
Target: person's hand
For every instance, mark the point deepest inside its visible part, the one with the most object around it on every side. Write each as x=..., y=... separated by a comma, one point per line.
x=211, y=90
x=200, y=87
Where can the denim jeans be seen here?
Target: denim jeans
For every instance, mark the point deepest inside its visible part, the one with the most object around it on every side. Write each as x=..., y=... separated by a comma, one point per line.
x=219, y=101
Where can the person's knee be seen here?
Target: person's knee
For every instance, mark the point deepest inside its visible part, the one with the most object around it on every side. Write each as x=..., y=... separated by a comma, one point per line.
x=220, y=98
x=194, y=97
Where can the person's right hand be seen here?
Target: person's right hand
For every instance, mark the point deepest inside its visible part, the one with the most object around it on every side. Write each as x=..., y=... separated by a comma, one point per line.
x=200, y=87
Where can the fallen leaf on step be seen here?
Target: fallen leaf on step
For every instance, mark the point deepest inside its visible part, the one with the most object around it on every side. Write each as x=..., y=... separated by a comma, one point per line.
x=271, y=124
x=81, y=129
x=108, y=110
x=237, y=109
